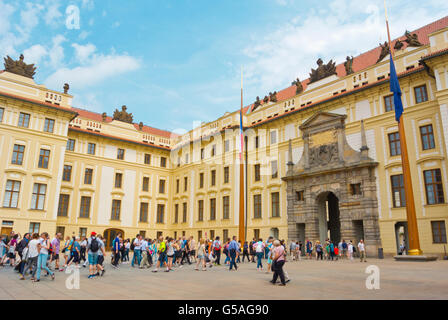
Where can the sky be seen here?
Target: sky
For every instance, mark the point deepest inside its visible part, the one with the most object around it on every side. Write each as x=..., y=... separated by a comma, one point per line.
x=176, y=62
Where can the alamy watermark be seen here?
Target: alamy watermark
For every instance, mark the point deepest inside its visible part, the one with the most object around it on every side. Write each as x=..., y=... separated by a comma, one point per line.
x=373, y=280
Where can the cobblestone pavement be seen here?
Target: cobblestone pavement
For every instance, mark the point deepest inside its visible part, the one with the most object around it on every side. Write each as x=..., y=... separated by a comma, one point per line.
x=309, y=280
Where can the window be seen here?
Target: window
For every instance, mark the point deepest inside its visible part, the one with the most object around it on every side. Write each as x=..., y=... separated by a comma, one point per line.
x=88, y=176
x=34, y=227
x=257, y=234
x=257, y=206
x=147, y=158
x=257, y=172
x=12, y=191
x=213, y=209
x=184, y=212
x=226, y=146
x=202, y=153
x=116, y=209
x=84, y=210
x=275, y=202
x=142, y=233
x=421, y=95
x=256, y=142
x=226, y=175
x=161, y=186
x=201, y=180
x=355, y=189
x=70, y=145
x=225, y=234
x=273, y=137
x=159, y=234
x=438, y=231
x=91, y=148
x=186, y=158
x=274, y=172
x=200, y=210
x=82, y=232
x=67, y=173
x=60, y=230
x=177, y=185
x=63, y=205
x=212, y=234
x=213, y=177
x=427, y=135
x=144, y=212
x=394, y=144
x=145, y=185
x=300, y=195
x=2, y=111
x=199, y=235
x=176, y=213
x=49, y=125
x=225, y=207
x=213, y=150
x=160, y=213
x=185, y=184
x=434, y=187
x=17, y=154
x=398, y=194
x=389, y=103
x=120, y=154
x=163, y=162
x=24, y=120
x=118, y=180
x=44, y=158
x=38, y=198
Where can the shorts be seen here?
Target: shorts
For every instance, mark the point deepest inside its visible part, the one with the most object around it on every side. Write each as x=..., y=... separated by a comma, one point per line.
x=269, y=261
x=171, y=256
x=192, y=252
x=162, y=257
x=11, y=255
x=55, y=256
x=100, y=260
x=200, y=257
x=93, y=258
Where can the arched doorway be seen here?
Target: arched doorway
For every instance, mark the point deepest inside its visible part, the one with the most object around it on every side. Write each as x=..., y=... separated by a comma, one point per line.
x=110, y=235
x=329, y=222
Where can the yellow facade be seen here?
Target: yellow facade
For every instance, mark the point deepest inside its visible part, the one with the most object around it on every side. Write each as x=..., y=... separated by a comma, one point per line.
x=213, y=147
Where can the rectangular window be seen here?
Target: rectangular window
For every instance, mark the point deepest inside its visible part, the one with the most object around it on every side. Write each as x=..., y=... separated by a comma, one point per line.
x=213, y=177
x=88, y=174
x=84, y=210
x=144, y=212
x=434, y=186
x=212, y=234
x=300, y=195
x=147, y=158
x=177, y=185
x=427, y=136
x=226, y=174
x=2, y=111
x=120, y=154
x=257, y=172
x=67, y=173
x=257, y=234
x=116, y=209
x=38, y=198
x=257, y=206
x=200, y=210
x=44, y=158
x=24, y=120
x=176, y=213
x=398, y=195
x=226, y=145
x=60, y=230
x=438, y=231
x=34, y=227
x=275, y=201
x=160, y=213
x=256, y=142
x=226, y=207
x=49, y=125
x=161, y=186
x=213, y=209
x=145, y=184
x=225, y=234
x=199, y=235
x=82, y=232
x=163, y=162
x=202, y=153
x=421, y=95
x=184, y=212
x=213, y=150
x=12, y=191
x=91, y=148
x=394, y=144
x=118, y=180
x=63, y=205
x=389, y=103
x=17, y=154
x=355, y=189
x=273, y=137
x=70, y=145
x=201, y=180
x=185, y=184
x=274, y=169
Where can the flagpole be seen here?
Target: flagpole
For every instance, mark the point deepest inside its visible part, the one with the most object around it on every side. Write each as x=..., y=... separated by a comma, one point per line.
x=414, y=241
x=241, y=202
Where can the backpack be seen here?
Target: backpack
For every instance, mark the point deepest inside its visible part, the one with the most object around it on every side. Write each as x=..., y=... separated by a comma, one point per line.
x=259, y=248
x=94, y=245
x=218, y=246
x=50, y=250
x=22, y=244
x=132, y=245
x=336, y=251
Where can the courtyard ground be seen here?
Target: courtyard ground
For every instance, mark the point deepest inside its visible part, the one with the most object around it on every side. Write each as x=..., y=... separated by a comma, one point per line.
x=309, y=280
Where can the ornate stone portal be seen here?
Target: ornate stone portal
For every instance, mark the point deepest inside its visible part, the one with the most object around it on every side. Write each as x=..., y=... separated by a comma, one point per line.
x=331, y=191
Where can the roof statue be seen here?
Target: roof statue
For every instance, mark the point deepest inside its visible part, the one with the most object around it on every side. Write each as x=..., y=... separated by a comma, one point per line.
x=257, y=103
x=104, y=116
x=298, y=84
x=398, y=45
x=140, y=126
x=20, y=67
x=123, y=115
x=348, y=64
x=412, y=39
x=273, y=96
x=66, y=88
x=323, y=70
x=266, y=99
x=384, y=51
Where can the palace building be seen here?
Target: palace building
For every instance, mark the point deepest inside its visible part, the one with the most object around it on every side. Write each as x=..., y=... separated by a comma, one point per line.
x=322, y=158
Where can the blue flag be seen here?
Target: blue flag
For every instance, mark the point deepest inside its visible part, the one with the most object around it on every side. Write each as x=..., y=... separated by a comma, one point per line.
x=395, y=88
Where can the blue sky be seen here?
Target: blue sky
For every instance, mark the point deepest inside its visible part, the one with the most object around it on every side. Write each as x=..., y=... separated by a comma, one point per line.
x=173, y=62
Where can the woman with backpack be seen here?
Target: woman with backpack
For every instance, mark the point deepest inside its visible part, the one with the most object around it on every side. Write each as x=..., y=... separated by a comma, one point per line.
x=43, y=257
x=74, y=252
x=259, y=251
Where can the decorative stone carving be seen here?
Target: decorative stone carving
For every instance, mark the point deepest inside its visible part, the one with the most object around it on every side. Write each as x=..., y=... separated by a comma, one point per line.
x=266, y=99
x=257, y=103
x=123, y=115
x=348, y=64
x=398, y=45
x=20, y=67
x=323, y=70
x=140, y=126
x=66, y=88
x=322, y=155
x=384, y=51
x=104, y=116
x=298, y=84
x=273, y=96
x=412, y=39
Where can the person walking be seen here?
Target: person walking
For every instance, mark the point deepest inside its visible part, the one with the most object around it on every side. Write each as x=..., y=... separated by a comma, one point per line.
x=20, y=247
x=93, y=246
x=319, y=250
x=192, y=246
x=350, y=250
x=101, y=256
x=116, y=250
x=56, y=249
x=136, y=258
x=200, y=256
x=82, y=253
x=309, y=249
x=362, y=250
x=292, y=250
x=233, y=252
x=145, y=252
x=259, y=251
x=216, y=247
x=246, y=251
x=32, y=256
x=279, y=261
x=44, y=245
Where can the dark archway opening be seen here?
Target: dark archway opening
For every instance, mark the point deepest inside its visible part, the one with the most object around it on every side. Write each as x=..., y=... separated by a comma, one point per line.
x=329, y=222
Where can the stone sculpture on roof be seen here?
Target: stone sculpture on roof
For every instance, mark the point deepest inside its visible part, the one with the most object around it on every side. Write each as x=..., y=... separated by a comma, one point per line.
x=298, y=84
x=412, y=39
x=123, y=115
x=66, y=88
x=398, y=45
x=384, y=51
x=20, y=67
x=257, y=103
x=348, y=64
x=323, y=70
x=273, y=96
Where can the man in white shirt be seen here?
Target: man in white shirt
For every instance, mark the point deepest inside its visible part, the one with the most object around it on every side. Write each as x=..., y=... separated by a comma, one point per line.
x=362, y=250
x=137, y=251
x=144, y=247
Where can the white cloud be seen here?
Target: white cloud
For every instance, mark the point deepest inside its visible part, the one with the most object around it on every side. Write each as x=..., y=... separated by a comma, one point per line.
x=29, y=18
x=83, y=53
x=35, y=54
x=53, y=15
x=57, y=51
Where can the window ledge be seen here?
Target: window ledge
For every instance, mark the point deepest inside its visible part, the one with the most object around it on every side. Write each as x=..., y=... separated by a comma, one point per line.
x=435, y=205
